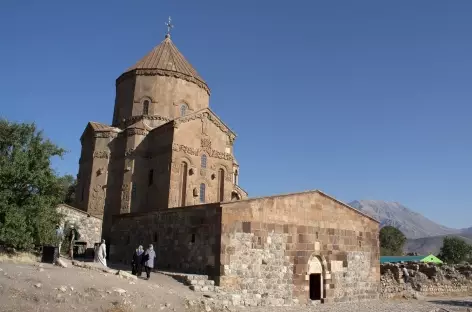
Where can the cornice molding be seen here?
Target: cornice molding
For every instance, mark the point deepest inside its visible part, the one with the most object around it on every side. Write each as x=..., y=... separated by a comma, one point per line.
x=164, y=73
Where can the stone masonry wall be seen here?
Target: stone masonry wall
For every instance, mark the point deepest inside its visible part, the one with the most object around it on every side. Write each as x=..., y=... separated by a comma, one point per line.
x=427, y=279
x=90, y=227
x=185, y=239
x=270, y=246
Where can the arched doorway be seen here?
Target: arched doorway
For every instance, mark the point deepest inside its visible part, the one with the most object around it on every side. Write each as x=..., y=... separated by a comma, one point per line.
x=315, y=277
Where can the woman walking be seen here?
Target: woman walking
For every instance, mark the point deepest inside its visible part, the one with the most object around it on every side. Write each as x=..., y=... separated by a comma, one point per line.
x=148, y=259
x=137, y=263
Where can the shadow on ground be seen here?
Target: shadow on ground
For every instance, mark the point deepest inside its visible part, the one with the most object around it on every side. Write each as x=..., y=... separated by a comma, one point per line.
x=454, y=303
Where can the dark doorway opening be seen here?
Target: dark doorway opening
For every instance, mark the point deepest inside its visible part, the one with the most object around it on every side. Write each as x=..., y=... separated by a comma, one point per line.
x=315, y=286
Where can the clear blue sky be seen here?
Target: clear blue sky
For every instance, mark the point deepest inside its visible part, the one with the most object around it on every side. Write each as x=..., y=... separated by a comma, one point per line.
x=361, y=99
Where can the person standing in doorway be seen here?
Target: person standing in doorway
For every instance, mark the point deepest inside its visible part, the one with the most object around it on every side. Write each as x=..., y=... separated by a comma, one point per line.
x=59, y=238
x=148, y=260
x=72, y=238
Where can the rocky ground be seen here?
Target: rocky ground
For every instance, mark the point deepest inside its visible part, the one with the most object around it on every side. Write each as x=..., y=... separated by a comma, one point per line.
x=43, y=287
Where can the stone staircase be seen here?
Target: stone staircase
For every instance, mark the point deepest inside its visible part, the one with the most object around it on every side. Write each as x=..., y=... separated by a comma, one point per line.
x=196, y=282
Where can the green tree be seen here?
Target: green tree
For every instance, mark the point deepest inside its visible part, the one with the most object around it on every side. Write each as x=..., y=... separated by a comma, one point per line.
x=391, y=241
x=68, y=185
x=455, y=250
x=29, y=188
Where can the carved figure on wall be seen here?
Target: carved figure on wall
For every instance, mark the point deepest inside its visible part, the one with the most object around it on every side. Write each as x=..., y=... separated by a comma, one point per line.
x=101, y=154
x=125, y=197
x=129, y=152
x=98, y=198
x=175, y=167
x=204, y=125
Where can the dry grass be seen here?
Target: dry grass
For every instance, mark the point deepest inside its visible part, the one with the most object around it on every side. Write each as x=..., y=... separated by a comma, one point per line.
x=19, y=257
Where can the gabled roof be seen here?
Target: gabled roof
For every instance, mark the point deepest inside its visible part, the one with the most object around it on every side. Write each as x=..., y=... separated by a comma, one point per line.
x=98, y=127
x=394, y=259
x=166, y=59
x=212, y=116
x=315, y=192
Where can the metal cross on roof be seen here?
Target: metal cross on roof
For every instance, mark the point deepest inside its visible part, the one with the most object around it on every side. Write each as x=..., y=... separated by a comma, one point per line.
x=169, y=26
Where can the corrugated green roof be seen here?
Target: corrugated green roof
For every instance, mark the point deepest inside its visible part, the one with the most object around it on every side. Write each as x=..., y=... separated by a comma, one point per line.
x=385, y=259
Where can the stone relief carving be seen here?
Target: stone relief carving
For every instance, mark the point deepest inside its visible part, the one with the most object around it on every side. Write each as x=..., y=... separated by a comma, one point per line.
x=203, y=172
x=109, y=134
x=229, y=177
x=205, y=116
x=98, y=198
x=186, y=149
x=101, y=154
x=125, y=197
x=129, y=152
x=175, y=167
x=135, y=131
x=204, y=125
x=231, y=140
x=205, y=143
x=196, y=151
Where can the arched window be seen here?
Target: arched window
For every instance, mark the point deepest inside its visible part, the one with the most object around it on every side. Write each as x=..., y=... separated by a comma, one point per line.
x=183, y=183
x=183, y=109
x=146, y=107
x=221, y=184
x=235, y=196
x=204, y=161
x=202, y=192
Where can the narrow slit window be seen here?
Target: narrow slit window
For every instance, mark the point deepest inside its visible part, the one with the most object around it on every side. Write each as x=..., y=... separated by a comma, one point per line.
x=204, y=161
x=183, y=183
x=202, y=193
x=151, y=177
x=221, y=184
x=146, y=107
x=183, y=109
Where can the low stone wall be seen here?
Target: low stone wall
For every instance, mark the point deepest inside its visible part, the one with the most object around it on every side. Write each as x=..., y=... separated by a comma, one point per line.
x=185, y=239
x=89, y=227
x=425, y=279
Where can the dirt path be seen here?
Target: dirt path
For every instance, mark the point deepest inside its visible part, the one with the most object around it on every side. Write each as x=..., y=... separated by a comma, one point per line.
x=37, y=288
x=26, y=287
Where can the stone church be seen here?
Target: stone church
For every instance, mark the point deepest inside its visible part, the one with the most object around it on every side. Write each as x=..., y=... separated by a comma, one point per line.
x=164, y=172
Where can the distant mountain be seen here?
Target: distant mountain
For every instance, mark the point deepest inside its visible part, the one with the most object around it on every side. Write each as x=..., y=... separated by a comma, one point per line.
x=467, y=231
x=431, y=245
x=412, y=224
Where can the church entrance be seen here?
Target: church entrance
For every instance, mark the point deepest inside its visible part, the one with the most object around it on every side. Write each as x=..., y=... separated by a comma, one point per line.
x=315, y=278
x=315, y=286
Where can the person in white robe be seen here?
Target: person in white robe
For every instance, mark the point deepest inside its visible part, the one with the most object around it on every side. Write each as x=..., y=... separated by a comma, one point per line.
x=102, y=253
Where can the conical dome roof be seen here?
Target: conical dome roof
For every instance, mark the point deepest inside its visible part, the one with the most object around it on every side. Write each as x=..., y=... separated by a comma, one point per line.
x=166, y=60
